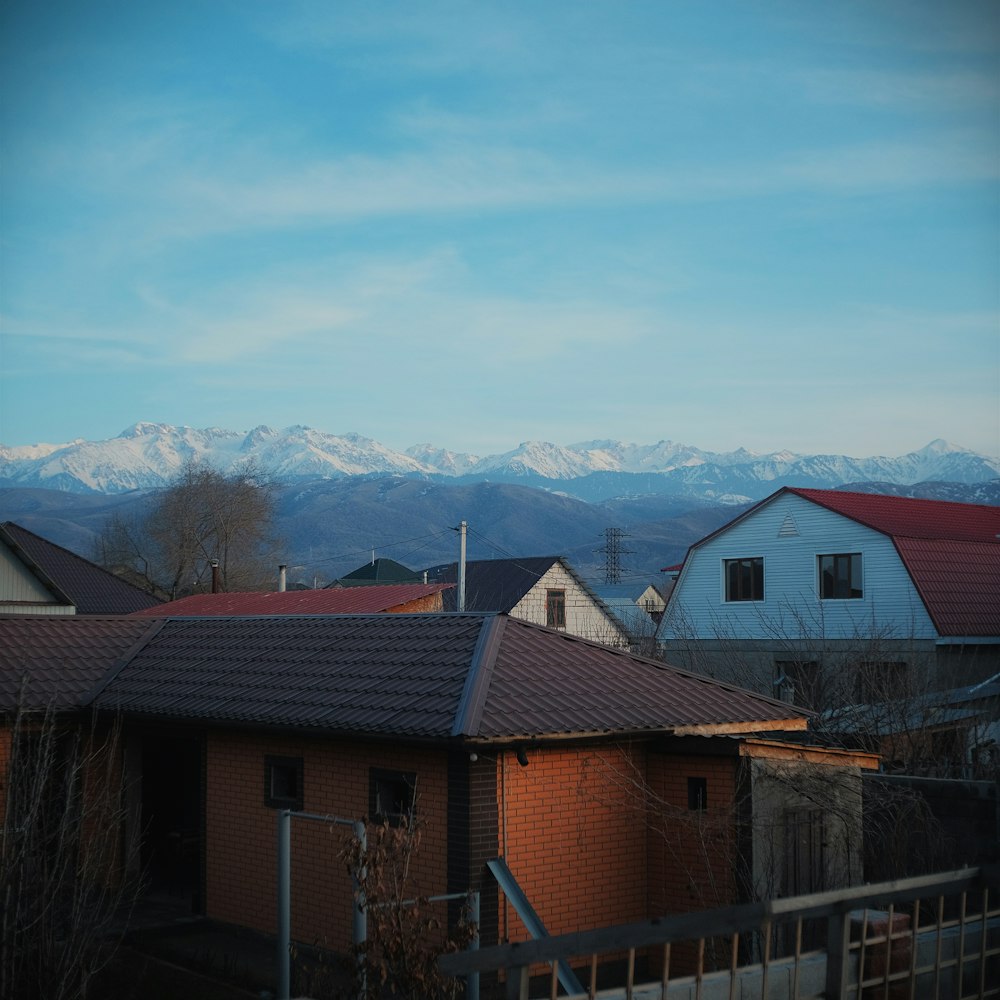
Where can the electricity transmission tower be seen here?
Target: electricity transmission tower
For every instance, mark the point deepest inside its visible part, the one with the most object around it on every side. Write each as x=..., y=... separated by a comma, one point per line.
x=613, y=553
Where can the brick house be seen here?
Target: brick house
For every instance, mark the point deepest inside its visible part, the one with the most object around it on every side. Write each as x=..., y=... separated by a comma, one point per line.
x=615, y=787
x=541, y=589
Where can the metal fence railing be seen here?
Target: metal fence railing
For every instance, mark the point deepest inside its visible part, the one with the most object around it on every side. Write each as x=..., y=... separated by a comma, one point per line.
x=935, y=936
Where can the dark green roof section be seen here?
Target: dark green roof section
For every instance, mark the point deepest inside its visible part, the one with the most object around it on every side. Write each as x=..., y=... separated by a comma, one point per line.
x=379, y=571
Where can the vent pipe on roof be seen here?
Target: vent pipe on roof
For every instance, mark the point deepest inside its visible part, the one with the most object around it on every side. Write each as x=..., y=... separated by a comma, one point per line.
x=462, y=528
x=215, y=576
x=282, y=578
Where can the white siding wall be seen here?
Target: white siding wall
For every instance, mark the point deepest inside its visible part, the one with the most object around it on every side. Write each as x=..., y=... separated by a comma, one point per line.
x=22, y=593
x=791, y=608
x=583, y=616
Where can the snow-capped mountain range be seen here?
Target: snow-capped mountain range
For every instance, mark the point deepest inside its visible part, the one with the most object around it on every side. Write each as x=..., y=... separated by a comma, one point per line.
x=148, y=455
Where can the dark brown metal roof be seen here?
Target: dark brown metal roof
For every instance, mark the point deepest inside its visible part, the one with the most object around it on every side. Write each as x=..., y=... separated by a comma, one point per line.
x=56, y=661
x=493, y=584
x=440, y=676
x=93, y=590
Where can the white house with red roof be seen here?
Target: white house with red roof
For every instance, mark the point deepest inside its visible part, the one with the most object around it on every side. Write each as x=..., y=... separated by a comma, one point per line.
x=904, y=592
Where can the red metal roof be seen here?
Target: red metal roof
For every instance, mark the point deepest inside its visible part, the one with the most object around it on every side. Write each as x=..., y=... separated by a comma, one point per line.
x=55, y=661
x=951, y=551
x=355, y=601
x=912, y=518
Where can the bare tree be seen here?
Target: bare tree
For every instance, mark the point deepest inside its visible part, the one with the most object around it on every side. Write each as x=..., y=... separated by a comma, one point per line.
x=64, y=865
x=204, y=520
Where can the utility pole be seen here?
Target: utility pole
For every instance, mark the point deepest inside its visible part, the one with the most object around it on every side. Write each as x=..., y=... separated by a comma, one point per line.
x=462, y=529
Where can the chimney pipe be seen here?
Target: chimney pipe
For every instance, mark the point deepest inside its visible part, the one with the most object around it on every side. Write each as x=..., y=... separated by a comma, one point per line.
x=215, y=576
x=282, y=578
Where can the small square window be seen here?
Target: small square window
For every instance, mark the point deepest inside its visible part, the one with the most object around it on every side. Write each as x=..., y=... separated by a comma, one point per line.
x=745, y=579
x=391, y=795
x=698, y=794
x=840, y=577
x=555, y=608
x=283, y=782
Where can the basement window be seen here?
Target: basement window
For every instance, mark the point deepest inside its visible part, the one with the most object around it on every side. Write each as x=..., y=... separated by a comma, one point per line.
x=698, y=794
x=391, y=796
x=555, y=608
x=283, y=782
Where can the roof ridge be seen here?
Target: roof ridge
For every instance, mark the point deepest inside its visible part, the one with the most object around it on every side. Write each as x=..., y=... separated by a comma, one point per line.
x=156, y=626
x=469, y=713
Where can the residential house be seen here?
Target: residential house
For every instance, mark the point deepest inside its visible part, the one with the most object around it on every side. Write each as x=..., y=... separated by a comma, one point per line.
x=399, y=598
x=38, y=577
x=377, y=573
x=541, y=589
x=827, y=597
x=638, y=608
x=613, y=786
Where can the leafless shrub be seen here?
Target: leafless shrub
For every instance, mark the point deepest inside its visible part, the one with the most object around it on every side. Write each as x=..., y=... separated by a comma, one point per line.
x=63, y=861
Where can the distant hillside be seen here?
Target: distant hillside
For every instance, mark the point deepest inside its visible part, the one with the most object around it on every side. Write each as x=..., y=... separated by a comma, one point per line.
x=330, y=527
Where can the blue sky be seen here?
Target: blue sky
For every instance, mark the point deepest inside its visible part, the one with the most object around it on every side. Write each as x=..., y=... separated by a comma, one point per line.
x=771, y=225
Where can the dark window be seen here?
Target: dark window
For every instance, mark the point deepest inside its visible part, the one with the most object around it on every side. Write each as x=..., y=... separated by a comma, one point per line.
x=283, y=782
x=698, y=794
x=745, y=579
x=391, y=795
x=555, y=608
x=797, y=682
x=840, y=576
x=880, y=680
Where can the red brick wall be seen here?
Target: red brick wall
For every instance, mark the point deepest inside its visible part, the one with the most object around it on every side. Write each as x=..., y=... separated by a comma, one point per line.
x=241, y=831
x=421, y=605
x=691, y=853
x=575, y=840
x=5, y=741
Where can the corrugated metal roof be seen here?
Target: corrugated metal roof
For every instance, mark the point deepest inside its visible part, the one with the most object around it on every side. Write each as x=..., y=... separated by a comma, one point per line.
x=494, y=584
x=55, y=661
x=93, y=590
x=912, y=518
x=355, y=600
x=420, y=676
x=959, y=583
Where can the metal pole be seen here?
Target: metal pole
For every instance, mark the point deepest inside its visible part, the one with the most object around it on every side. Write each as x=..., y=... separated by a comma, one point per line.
x=284, y=901
x=360, y=928
x=462, y=528
x=472, y=982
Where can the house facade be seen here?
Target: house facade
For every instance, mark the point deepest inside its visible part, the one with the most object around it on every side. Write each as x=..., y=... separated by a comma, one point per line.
x=614, y=787
x=814, y=589
x=38, y=577
x=545, y=590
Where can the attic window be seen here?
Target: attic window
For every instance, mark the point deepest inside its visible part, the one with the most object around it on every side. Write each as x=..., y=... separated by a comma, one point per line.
x=555, y=608
x=283, y=782
x=745, y=579
x=840, y=576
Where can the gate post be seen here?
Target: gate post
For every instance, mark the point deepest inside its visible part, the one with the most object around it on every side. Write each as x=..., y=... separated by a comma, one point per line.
x=284, y=901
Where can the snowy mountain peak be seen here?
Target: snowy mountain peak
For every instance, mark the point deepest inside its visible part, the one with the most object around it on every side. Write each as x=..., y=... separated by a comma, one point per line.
x=147, y=455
